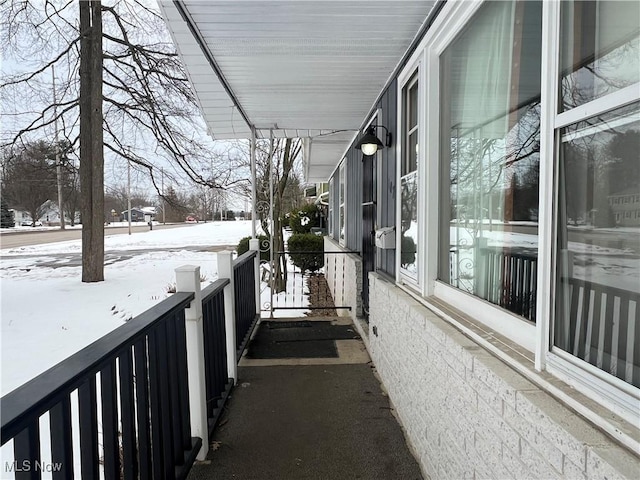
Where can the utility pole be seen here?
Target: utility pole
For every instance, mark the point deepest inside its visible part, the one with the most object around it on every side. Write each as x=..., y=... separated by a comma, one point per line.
x=213, y=196
x=129, y=191
x=58, y=165
x=162, y=189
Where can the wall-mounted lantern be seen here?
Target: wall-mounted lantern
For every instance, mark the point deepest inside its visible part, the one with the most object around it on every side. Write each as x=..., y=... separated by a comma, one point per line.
x=370, y=143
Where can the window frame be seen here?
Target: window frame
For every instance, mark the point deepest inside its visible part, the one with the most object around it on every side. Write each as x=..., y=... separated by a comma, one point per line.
x=614, y=393
x=412, y=74
x=330, y=213
x=515, y=328
x=342, y=202
x=607, y=390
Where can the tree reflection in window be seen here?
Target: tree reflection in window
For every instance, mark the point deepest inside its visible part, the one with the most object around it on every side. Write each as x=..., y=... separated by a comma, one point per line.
x=601, y=46
x=490, y=153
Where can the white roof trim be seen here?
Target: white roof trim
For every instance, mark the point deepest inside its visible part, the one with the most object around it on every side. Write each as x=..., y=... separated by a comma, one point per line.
x=304, y=69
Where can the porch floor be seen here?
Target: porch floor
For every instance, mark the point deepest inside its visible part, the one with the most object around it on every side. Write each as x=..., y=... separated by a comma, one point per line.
x=308, y=418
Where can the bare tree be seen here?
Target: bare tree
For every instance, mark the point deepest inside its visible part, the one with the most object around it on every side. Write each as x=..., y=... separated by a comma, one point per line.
x=176, y=206
x=29, y=178
x=277, y=162
x=132, y=75
x=116, y=198
x=70, y=192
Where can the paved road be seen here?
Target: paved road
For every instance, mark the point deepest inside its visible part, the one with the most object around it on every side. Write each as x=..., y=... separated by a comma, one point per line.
x=22, y=239
x=71, y=259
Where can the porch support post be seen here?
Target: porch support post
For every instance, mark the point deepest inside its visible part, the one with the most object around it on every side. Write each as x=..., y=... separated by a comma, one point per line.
x=272, y=263
x=225, y=270
x=188, y=280
x=254, y=244
x=253, y=182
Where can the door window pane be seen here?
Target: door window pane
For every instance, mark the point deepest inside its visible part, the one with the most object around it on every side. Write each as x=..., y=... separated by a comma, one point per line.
x=490, y=142
x=332, y=194
x=408, y=182
x=341, y=209
x=597, y=314
x=410, y=127
x=413, y=104
x=409, y=225
x=600, y=49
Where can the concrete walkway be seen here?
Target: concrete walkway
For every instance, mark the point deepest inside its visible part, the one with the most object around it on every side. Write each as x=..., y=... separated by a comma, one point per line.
x=309, y=419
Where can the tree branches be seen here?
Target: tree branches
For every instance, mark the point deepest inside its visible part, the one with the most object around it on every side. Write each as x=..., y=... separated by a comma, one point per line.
x=148, y=104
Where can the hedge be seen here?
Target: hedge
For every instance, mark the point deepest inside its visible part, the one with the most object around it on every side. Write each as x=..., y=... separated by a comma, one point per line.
x=243, y=247
x=306, y=242
x=302, y=219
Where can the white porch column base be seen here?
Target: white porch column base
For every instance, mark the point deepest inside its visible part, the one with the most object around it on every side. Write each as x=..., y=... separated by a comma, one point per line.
x=225, y=270
x=254, y=244
x=188, y=280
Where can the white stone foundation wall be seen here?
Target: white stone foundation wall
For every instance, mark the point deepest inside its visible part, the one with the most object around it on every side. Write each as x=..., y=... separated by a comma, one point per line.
x=343, y=273
x=467, y=414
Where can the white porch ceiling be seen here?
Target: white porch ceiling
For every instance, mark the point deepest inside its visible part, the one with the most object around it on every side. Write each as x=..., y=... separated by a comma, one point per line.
x=309, y=69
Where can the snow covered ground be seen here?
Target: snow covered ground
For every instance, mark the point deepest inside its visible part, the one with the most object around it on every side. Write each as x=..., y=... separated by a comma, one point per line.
x=48, y=313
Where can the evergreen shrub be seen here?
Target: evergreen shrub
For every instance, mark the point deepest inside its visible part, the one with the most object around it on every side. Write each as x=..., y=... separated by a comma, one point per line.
x=306, y=242
x=243, y=247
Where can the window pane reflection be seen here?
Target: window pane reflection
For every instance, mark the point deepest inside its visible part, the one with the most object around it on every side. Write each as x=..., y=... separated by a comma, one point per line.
x=409, y=226
x=598, y=284
x=490, y=156
x=600, y=49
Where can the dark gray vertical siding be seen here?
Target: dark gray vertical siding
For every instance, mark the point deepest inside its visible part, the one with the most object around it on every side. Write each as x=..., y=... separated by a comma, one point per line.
x=354, y=200
x=386, y=205
x=387, y=175
x=335, y=203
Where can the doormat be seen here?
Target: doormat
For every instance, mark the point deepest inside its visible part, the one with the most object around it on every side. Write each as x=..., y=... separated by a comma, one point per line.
x=302, y=339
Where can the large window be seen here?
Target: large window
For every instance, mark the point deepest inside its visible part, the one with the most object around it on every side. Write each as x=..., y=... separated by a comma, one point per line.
x=409, y=181
x=530, y=144
x=341, y=202
x=597, y=311
x=330, y=218
x=490, y=156
x=600, y=50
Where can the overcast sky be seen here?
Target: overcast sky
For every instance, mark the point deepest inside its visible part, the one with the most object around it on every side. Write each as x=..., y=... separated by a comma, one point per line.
x=18, y=106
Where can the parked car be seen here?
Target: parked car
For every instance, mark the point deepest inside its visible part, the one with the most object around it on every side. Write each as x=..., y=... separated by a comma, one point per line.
x=192, y=219
x=29, y=223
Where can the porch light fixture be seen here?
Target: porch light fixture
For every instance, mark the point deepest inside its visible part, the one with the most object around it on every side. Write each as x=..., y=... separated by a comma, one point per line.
x=370, y=143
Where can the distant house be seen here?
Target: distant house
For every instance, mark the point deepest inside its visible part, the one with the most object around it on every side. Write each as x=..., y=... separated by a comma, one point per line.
x=137, y=215
x=626, y=207
x=20, y=216
x=50, y=215
x=149, y=211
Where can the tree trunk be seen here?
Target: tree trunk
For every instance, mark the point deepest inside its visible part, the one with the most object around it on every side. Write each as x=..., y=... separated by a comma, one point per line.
x=280, y=280
x=91, y=150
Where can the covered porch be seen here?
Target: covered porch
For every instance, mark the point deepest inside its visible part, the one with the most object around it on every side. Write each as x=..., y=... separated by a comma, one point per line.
x=312, y=418
x=200, y=387
x=468, y=379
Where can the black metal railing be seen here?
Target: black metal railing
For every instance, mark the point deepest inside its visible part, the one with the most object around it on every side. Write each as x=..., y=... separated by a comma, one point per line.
x=244, y=277
x=218, y=383
x=589, y=313
x=305, y=285
x=142, y=407
x=508, y=278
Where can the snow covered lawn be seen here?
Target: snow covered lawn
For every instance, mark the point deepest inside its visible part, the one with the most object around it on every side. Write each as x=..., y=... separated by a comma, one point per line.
x=48, y=313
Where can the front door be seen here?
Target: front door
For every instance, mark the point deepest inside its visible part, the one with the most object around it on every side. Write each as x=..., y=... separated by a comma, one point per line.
x=368, y=227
